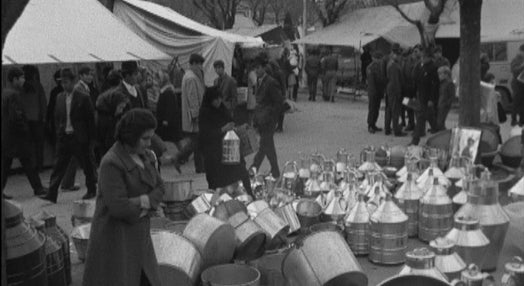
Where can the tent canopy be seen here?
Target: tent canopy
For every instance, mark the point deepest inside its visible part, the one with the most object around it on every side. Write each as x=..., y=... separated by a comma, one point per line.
x=64, y=31
x=179, y=36
x=499, y=22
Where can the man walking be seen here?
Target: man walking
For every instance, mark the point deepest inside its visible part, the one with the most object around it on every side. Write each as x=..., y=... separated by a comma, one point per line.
x=193, y=89
x=394, y=93
x=269, y=104
x=376, y=86
x=330, y=68
x=75, y=128
x=313, y=71
x=227, y=86
x=16, y=137
x=426, y=86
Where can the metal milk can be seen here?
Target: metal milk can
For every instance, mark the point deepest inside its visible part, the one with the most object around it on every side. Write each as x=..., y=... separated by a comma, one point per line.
x=421, y=261
x=231, y=148
x=514, y=272
x=367, y=160
x=470, y=243
x=374, y=201
x=312, y=188
x=289, y=176
x=435, y=213
x=335, y=210
x=389, y=234
x=426, y=182
x=472, y=276
x=469, y=183
x=303, y=167
x=342, y=160
x=484, y=205
x=380, y=185
x=410, y=166
x=407, y=198
x=447, y=260
x=433, y=165
x=454, y=173
x=357, y=227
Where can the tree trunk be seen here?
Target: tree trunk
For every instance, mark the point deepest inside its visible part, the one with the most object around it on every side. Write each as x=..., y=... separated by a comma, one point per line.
x=470, y=62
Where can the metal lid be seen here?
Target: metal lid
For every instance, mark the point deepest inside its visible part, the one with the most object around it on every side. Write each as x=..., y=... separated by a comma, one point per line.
x=467, y=223
x=359, y=213
x=472, y=274
x=515, y=266
x=442, y=246
x=231, y=136
x=13, y=213
x=389, y=212
x=420, y=258
x=335, y=207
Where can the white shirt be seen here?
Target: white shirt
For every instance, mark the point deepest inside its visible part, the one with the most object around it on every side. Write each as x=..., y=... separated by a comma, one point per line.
x=131, y=89
x=69, y=127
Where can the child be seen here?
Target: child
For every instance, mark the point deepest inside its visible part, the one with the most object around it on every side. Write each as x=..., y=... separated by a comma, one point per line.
x=446, y=94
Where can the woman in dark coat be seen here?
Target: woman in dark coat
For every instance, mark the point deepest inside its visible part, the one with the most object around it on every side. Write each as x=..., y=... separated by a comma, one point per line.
x=120, y=250
x=214, y=121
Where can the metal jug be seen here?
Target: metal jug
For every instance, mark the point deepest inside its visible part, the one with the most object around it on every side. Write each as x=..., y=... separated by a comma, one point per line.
x=494, y=222
x=357, y=227
x=374, y=201
x=407, y=198
x=470, y=243
x=288, y=214
x=367, y=159
x=308, y=212
x=433, y=165
x=426, y=182
x=469, y=183
x=380, y=185
x=389, y=234
x=312, y=188
x=276, y=228
x=514, y=272
x=447, y=259
x=421, y=261
x=303, y=167
x=472, y=276
x=454, y=173
x=289, y=176
x=410, y=166
x=435, y=213
x=335, y=211
x=231, y=148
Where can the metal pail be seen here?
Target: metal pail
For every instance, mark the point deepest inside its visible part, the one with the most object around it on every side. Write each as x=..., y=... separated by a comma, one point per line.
x=84, y=208
x=178, y=259
x=214, y=239
x=276, y=229
x=177, y=190
x=231, y=275
x=288, y=214
x=413, y=280
x=270, y=267
x=308, y=212
x=322, y=259
x=249, y=236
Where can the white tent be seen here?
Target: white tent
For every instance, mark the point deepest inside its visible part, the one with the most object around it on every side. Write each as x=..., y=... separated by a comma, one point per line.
x=180, y=36
x=500, y=21
x=64, y=31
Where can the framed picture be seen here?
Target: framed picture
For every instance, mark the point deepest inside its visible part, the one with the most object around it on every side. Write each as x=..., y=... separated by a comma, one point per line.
x=465, y=142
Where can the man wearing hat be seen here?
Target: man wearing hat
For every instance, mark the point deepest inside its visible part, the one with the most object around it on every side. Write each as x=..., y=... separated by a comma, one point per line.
x=394, y=92
x=193, y=89
x=376, y=86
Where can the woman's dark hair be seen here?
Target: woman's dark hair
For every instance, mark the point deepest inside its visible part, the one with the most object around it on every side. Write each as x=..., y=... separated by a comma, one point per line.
x=133, y=124
x=210, y=95
x=113, y=78
x=14, y=72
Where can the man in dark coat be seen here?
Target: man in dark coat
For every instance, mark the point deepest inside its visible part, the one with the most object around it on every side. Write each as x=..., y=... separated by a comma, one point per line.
x=365, y=60
x=50, y=122
x=376, y=86
x=517, y=85
x=105, y=106
x=269, y=103
x=394, y=93
x=16, y=138
x=330, y=68
x=313, y=71
x=426, y=85
x=408, y=85
x=227, y=86
x=75, y=130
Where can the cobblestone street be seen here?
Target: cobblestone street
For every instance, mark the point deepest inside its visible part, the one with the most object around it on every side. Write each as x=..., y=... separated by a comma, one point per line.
x=320, y=125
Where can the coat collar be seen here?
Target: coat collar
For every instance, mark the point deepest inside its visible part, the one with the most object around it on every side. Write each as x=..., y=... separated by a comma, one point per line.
x=147, y=174
x=124, y=156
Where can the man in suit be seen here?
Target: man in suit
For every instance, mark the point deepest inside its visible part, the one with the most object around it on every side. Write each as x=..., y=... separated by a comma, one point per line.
x=330, y=68
x=376, y=86
x=75, y=130
x=16, y=137
x=193, y=89
x=269, y=104
x=394, y=93
x=227, y=86
x=313, y=71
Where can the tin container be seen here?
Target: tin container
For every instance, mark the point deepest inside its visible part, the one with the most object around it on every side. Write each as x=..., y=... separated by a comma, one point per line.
x=447, y=259
x=312, y=188
x=357, y=228
x=472, y=276
x=470, y=243
x=231, y=275
x=276, y=228
x=367, y=159
x=249, y=236
x=421, y=261
x=514, y=272
x=435, y=213
x=231, y=148
x=288, y=214
x=454, y=173
x=177, y=190
x=54, y=257
x=407, y=199
x=322, y=258
x=389, y=234
x=494, y=222
x=308, y=212
x=335, y=211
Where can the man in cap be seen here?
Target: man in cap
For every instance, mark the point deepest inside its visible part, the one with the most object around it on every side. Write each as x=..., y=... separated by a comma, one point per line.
x=394, y=92
x=16, y=137
x=376, y=87
x=269, y=104
x=193, y=89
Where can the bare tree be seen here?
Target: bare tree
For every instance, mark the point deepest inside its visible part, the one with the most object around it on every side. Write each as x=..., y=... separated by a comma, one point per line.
x=258, y=9
x=221, y=13
x=329, y=11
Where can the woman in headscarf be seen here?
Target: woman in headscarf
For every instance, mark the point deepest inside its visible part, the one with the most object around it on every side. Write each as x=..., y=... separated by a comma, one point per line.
x=214, y=122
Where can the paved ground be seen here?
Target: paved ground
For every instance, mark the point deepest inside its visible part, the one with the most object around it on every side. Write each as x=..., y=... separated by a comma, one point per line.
x=321, y=126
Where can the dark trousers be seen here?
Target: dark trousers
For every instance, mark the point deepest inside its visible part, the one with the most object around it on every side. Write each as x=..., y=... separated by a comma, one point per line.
x=37, y=131
x=267, y=148
x=409, y=113
x=29, y=169
x=374, y=99
x=280, y=122
x=442, y=113
x=312, y=81
x=423, y=114
x=67, y=148
x=518, y=101
x=295, y=91
x=192, y=148
x=68, y=182
x=393, y=107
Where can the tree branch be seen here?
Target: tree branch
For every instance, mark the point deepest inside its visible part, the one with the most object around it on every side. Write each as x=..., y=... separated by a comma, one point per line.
x=403, y=14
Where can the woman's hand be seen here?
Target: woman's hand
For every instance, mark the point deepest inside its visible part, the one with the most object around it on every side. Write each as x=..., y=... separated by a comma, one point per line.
x=228, y=127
